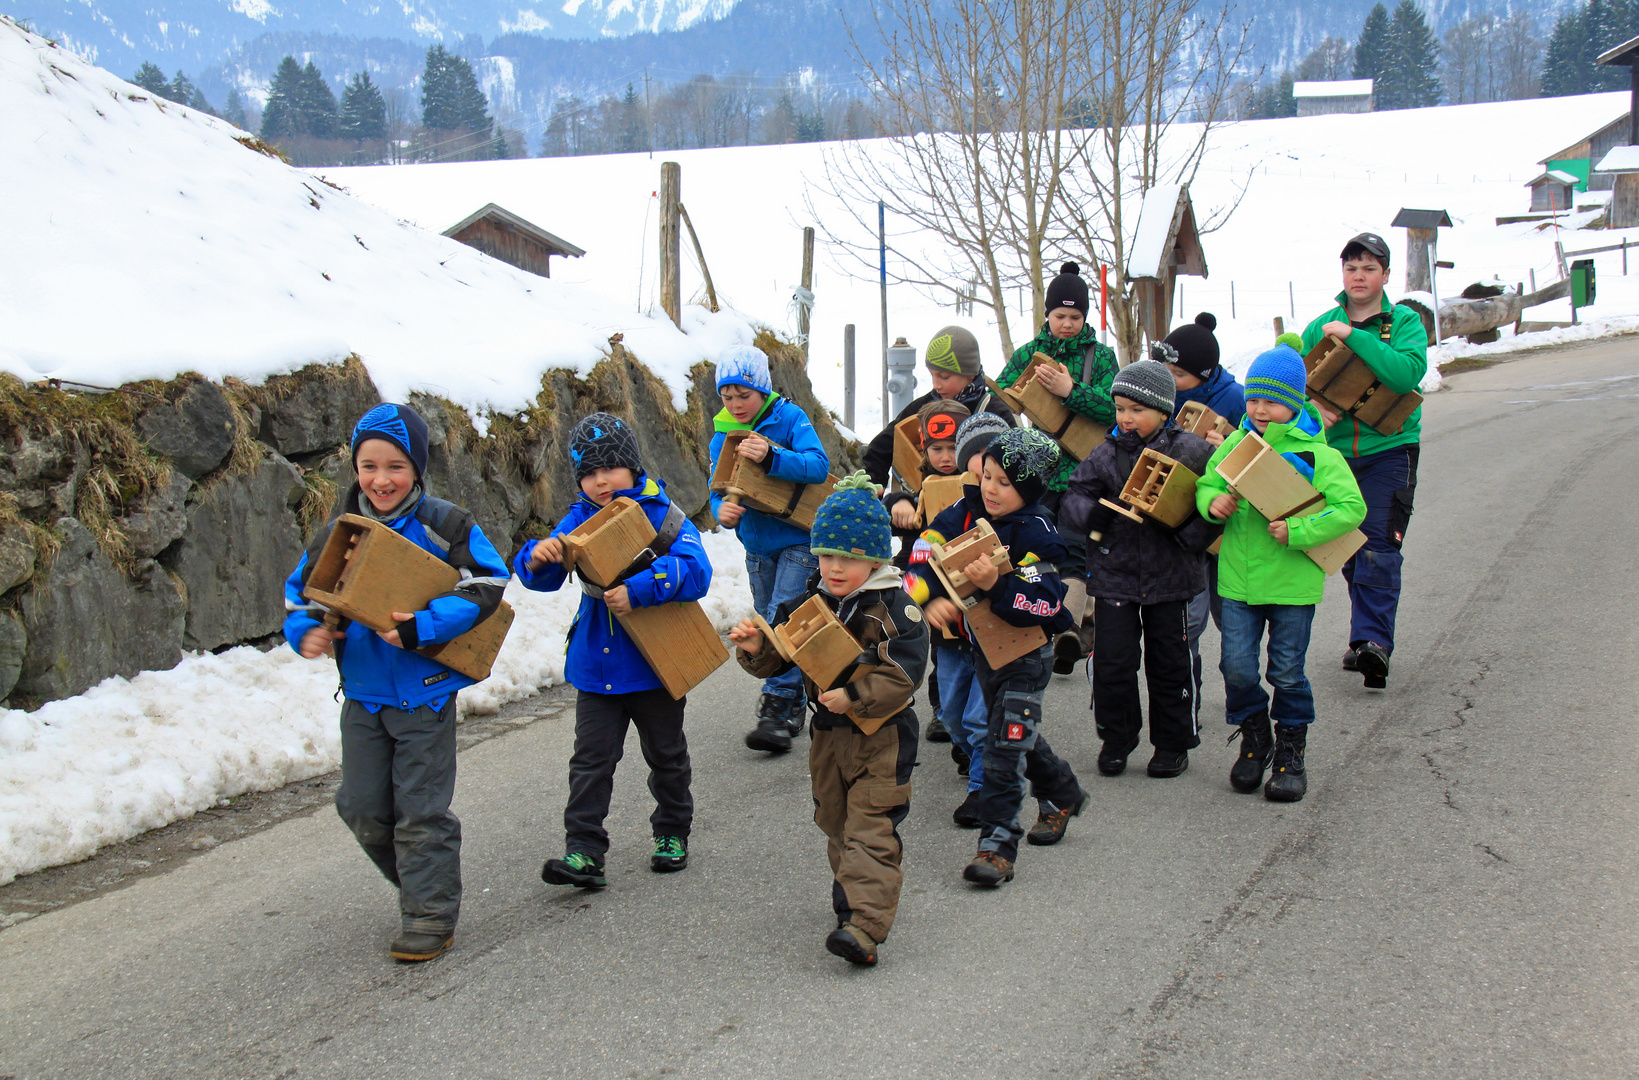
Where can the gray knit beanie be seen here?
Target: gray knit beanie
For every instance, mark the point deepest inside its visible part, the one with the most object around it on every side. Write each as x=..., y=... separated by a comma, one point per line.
x=976, y=433
x=955, y=350
x=1147, y=382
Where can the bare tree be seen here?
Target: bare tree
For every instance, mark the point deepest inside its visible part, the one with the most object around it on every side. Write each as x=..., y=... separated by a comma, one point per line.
x=1332, y=59
x=1519, y=56
x=1163, y=57
x=1026, y=130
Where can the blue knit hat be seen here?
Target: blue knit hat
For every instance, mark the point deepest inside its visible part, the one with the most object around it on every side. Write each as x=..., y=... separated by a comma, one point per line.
x=852, y=522
x=744, y=365
x=399, y=425
x=1279, y=375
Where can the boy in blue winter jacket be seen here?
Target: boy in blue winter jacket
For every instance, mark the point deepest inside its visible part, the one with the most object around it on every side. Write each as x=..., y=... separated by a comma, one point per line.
x=1017, y=467
x=398, y=715
x=777, y=557
x=616, y=685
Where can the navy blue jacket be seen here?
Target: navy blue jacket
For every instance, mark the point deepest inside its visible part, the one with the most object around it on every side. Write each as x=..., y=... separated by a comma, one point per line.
x=1031, y=594
x=1221, y=393
x=602, y=659
x=377, y=673
x=799, y=457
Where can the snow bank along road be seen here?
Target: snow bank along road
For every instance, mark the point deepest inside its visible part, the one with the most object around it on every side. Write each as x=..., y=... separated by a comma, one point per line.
x=1453, y=899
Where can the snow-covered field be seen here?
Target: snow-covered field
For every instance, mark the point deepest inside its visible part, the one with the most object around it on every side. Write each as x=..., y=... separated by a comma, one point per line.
x=144, y=242
x=1311, y=183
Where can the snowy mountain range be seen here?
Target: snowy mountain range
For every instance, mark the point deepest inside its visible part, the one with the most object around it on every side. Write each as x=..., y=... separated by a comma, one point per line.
x=120, y=34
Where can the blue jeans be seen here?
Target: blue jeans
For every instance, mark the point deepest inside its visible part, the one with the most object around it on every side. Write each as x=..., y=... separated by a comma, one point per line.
x=776, y=578
x=1388, y=483
x=962, y=708
x=1289, y=625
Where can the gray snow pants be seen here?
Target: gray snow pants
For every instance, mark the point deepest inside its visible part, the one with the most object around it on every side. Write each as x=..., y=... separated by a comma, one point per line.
x=397, y=780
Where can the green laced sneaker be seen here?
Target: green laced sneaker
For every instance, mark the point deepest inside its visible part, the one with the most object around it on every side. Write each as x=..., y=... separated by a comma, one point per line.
x=670, y=853
x=576, y=868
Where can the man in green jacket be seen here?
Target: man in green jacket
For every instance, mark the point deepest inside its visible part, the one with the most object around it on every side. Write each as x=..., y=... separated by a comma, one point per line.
x=1067, y=337
x=1392, y=342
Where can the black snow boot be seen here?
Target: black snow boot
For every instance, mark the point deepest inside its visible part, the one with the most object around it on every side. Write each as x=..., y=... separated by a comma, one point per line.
x=773, y=730
x=1257, y=744
x=959, y=754
x=936, y=731
x=1372, y=661
x=1287, y=781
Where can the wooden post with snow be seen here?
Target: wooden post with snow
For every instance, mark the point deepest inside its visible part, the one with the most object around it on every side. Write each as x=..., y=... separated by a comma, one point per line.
x=671, y=240
x=1167, y=244
x=1420, y=226
x=805, y=301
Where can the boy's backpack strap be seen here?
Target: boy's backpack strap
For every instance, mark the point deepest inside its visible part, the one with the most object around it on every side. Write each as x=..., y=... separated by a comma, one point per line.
x=1087, y=363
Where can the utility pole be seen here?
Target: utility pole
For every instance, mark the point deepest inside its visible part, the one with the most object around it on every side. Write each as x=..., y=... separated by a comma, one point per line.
x=848, y=376
x=671, y=240
x=882, y=256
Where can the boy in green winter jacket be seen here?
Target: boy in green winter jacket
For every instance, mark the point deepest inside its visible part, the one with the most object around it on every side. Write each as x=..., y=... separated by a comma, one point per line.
x=1265, y=578
x=1067, y=336
x=1391, y=340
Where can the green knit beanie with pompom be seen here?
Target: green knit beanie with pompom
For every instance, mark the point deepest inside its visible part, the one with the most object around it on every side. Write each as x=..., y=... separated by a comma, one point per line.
x=853, y=522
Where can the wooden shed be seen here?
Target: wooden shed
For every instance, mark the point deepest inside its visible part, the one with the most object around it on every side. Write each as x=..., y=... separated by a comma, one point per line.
x=503, y=235
x=1622, y=166
x=1578, y=158
x=1337, y=96
x=1167, y=244
x=1555, y=189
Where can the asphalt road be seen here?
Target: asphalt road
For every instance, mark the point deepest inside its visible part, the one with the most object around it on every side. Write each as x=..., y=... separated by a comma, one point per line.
x=1456, y=897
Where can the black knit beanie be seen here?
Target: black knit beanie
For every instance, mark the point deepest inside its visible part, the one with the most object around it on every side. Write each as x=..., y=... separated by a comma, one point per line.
x=1195, y=346
x=1028, y=458
x=1068, y=290
x=602, y=441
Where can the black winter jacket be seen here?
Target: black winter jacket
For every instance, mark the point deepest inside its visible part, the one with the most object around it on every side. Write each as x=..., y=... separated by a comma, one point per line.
x=978, y=397
x=1148, y=563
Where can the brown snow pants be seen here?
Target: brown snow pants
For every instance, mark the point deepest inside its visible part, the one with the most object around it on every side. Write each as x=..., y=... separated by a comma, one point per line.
x=862, y=791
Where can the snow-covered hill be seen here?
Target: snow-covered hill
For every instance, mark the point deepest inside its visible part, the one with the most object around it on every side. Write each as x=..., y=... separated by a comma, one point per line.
x=145, y=241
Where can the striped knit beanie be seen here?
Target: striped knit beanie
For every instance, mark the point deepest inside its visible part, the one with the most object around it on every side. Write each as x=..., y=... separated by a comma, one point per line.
x=1279, y=375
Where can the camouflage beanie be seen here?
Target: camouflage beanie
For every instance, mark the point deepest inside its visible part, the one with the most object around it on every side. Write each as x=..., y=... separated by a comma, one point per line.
x=1028, y=457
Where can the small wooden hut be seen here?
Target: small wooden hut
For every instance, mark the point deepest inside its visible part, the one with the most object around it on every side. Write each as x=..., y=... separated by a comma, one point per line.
x=1337, y=96
x=1167, y=244
x=1622, y=166
x=1553, y=190
x=503, y=235
x=1578, y=158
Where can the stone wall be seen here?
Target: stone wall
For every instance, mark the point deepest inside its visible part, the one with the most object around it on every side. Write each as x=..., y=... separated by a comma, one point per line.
x=158, y=518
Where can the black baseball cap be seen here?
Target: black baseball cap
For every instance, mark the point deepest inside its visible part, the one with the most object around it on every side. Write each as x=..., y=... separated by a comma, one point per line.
x=1371, y=244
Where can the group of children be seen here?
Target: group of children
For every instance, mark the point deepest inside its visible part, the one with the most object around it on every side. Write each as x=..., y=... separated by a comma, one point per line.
x=1152, y=588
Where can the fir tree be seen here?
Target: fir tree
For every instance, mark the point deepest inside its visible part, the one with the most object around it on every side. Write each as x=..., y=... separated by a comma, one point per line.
x=318, y=106
x=363, y=114
x=1562, y=67
x=182, y=90
x=631, y=137
x=811, y=126
x=451, y=100
x=234, y=110
x=1371, y=52
x=151, y=79
x=1413, y=71
x=282, y=118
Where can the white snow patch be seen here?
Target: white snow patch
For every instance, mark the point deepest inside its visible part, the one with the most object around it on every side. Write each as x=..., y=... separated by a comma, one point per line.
x=1154, y=224
x=131, y=755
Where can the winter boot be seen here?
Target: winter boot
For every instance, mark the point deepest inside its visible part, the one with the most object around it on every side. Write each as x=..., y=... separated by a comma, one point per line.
x=1049, y=827
x=936, y=731
x=1112, y=759
x=959, y=754
x=1372, y=661
x=966, y=816
x=796, y=714
x=1066, y=653
x=773, y=731
x=412, y=947
x=670, y=853
x=988, y=868
x=576, y=868
x=1351, y=659
x=1165, y=764
x=1257, y=744
x=1287, y=781
x=852, y=944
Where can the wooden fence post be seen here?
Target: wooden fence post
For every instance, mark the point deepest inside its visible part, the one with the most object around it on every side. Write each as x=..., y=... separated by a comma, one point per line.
x=806, y=303
x=848, y=376
x=671, y=250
